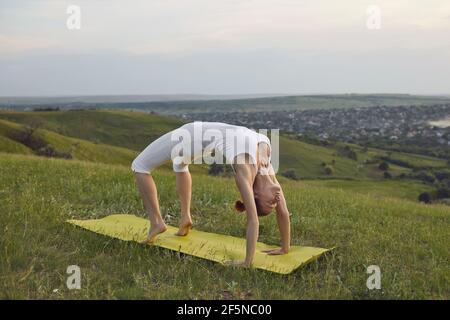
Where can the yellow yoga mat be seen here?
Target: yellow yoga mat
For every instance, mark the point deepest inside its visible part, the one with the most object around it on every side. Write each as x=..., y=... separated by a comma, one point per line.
x=210, y=246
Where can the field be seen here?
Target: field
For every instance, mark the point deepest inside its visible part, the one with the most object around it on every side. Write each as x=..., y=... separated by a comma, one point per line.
x=407, y=240
x=370, y=220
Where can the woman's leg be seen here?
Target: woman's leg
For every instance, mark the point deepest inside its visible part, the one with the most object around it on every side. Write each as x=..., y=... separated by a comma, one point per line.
x=184, y=189
x=149, y=195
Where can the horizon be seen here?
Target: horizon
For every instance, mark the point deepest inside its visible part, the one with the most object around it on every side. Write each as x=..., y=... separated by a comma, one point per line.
x=263, y=95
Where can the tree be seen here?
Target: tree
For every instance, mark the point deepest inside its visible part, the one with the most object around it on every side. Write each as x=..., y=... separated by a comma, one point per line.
x=329, y=170
x=441, y=175
x=383, y=166
x=424, y=176
x=215, y=169
x=425, y=197
x=220, y=170
x=442, y=193
x=290, y=174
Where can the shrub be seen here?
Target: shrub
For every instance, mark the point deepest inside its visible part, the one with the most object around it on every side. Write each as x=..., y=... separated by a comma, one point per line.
x=26, y=137
x=397, y=162
x=424, y=176
x=215, y=169
x=290, y=174
x=387, y=175
x=220, y=170
x=442, y=193
x=425, y=197
x=383, y=166
x=442, y=175
x=49, y=151
x=40, y=147
x=329, y=170
x=46, y=109
x=348, y=153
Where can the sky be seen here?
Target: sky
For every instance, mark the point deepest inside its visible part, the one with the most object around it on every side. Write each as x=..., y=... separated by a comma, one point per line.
x=224, y=47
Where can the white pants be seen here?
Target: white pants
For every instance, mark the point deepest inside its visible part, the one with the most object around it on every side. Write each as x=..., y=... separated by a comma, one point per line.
x=156, y=153
x=201, y=138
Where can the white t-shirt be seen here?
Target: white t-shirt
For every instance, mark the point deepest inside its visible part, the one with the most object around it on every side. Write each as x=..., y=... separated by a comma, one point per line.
x=195, y=142
x=226, y=139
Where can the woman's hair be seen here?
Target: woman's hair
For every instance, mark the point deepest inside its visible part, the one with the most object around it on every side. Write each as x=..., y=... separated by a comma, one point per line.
x=240, y=207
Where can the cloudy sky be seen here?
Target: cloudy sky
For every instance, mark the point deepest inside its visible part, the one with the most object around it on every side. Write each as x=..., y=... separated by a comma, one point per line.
x=224, y=47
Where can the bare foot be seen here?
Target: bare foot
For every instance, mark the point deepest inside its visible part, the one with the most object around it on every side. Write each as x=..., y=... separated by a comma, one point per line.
x=184, y=228
x=153, y=232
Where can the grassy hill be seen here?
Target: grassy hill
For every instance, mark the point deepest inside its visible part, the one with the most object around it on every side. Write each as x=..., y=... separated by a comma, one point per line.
x=75, y=148
x=135, y=130
x=131, y=130
x=409, y=241
x=115, y=137
x=11, y=146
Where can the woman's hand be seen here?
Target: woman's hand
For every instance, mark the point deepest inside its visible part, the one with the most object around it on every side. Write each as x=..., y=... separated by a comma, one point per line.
x=237, y=263
x=263, y=155
x=263, y=162
x=273, y=252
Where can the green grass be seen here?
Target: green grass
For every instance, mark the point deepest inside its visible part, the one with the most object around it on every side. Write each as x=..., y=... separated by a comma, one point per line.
x=130, y=130
x=409, y=241
x=402, y=189
x=306, y=159
x=414, y=160
x=11, y=146
x=79, y=149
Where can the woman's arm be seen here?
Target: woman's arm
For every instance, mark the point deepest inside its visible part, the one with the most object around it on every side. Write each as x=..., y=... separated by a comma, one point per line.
x=263, y=155
x=244, y=178
x=284, y=225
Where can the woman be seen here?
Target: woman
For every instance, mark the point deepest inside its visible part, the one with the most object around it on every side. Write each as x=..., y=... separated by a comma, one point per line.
x=249, y=154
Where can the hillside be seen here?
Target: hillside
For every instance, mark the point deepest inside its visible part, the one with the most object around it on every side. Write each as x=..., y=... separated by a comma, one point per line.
x=131, y=130
x=63, y=146
x=135, y=130
x=409, y=241
x=115, y=137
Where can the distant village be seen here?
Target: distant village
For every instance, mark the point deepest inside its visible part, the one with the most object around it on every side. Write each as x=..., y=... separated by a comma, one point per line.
x=357, y=125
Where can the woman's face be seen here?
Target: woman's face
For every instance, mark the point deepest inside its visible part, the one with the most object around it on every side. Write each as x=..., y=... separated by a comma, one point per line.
x=267, y=196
